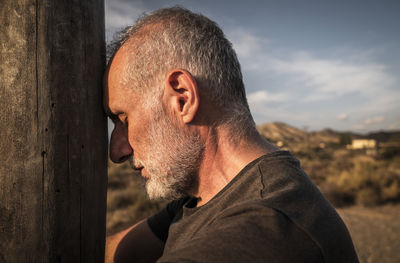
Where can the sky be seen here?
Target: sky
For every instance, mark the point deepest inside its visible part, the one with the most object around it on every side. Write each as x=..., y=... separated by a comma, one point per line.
x=310, y=64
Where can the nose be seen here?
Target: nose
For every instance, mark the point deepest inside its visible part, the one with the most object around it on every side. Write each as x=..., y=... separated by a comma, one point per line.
x=120, y=149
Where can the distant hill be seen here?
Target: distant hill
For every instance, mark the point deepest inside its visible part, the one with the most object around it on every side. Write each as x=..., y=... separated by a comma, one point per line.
x=279, y=131
x=384, y=136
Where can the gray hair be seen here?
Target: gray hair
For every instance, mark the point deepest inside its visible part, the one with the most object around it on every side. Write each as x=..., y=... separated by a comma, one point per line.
x=178, y=38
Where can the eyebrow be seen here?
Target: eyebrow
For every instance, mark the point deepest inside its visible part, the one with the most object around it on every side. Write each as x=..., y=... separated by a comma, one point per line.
x=113, y=115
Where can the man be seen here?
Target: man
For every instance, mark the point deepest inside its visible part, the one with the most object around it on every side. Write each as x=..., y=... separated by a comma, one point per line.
x=174, y=90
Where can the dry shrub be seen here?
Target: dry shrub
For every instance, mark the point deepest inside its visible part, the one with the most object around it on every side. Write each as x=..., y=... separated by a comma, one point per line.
x=121, y=199
x=335, y=196
x=367, y=183
x=391, y=191
x=368, y=197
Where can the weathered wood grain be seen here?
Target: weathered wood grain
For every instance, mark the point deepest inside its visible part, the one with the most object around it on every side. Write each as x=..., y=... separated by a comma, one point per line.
x=53, y=131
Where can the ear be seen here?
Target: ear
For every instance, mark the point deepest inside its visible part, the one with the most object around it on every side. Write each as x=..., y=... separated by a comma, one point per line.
x=182, y=94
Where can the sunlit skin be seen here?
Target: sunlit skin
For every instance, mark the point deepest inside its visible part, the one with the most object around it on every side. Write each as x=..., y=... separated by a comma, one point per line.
x=122, y=105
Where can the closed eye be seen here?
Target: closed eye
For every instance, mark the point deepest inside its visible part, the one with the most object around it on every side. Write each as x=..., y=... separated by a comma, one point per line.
x=123, y=118
x=118, y=117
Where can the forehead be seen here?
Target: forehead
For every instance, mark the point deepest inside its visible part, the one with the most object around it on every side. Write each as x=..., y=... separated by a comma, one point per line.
x=117, y=93
x=117, y=69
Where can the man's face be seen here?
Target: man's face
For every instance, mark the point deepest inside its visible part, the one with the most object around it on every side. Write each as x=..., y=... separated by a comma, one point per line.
x=145, y=135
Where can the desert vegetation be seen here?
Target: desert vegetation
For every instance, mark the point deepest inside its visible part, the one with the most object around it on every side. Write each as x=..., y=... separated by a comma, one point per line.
x=346, y=176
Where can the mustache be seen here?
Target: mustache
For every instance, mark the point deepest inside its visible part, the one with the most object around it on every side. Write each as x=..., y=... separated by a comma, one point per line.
x=135, y=163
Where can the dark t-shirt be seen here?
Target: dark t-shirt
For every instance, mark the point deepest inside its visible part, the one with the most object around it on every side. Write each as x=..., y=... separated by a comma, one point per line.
x=270, y=212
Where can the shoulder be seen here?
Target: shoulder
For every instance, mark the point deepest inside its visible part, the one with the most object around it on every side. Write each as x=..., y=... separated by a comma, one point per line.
x=256, y=219
x=249, y=232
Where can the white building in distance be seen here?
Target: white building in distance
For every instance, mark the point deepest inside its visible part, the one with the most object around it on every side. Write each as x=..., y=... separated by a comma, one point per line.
x=358, y=144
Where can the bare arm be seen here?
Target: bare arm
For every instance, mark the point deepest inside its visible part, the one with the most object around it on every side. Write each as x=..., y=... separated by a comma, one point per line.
x=135, y=244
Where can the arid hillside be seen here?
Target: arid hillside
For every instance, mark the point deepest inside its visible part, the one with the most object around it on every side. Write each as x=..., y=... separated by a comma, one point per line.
x=295, y=137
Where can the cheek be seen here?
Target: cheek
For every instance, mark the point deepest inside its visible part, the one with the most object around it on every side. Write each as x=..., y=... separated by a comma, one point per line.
x=135, y=138
x=138, y=131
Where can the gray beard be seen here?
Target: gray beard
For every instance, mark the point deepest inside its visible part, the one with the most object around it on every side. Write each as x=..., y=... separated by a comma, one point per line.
x=173, y=159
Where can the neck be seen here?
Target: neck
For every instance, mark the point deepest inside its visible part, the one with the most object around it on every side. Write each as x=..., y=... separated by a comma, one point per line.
x=224, y=159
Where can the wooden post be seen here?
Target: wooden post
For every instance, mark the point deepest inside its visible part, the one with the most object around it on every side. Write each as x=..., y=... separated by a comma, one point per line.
x=53, y=131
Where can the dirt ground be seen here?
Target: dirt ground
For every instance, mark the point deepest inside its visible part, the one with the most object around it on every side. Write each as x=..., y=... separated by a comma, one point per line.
x=375, y=232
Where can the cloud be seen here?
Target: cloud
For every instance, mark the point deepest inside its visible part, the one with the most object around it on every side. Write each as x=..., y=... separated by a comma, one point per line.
x=264, y=96
x=342, y=117
x=370, y=121
x=352, y=72
x=321, y=85
x=120, y=14
x=335, y=77
x=246, y=44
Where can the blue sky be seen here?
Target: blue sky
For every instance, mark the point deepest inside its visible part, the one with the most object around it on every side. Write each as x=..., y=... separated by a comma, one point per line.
x=313, y=64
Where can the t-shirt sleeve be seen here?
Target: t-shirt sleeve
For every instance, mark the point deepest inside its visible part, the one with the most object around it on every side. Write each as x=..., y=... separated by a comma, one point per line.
x=159, y=223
